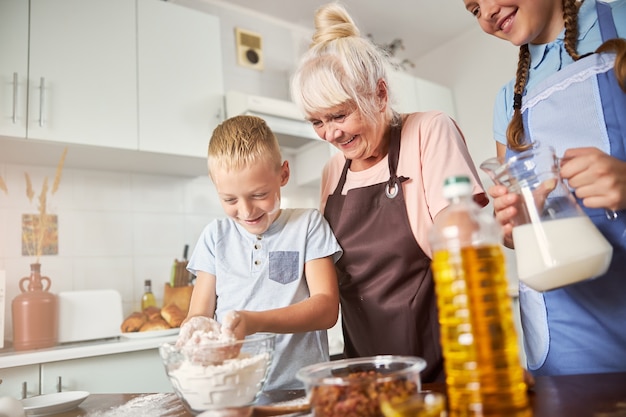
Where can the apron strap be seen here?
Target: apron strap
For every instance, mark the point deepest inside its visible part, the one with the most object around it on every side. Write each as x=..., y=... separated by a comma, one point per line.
x=342, y=179
x=391, y=190
x=395, y=182
x=605, y=19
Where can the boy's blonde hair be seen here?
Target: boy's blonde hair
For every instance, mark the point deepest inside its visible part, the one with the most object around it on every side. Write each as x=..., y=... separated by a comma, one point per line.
x=241, y=141
x=340, y=67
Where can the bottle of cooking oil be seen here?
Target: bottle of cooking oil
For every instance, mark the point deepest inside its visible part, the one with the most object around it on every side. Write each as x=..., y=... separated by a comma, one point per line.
x=147, y=300
x=484, y=375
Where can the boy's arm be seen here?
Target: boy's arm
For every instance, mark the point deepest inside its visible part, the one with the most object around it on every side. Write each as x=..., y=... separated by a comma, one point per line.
x=203, y=297
x=318, y=312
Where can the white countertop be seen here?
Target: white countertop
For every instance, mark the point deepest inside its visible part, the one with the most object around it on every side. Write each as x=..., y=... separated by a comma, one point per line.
x=10, y=358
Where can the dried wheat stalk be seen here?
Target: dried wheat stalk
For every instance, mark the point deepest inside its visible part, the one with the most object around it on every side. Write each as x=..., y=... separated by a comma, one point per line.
x=41, y=222
x=29, y=188
x=57, y=176
x=43, y=218
x=3, y=186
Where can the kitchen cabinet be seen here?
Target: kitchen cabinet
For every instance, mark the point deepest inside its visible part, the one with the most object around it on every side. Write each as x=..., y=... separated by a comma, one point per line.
x=139, y=81
x=20, y=381
x=13, y=67
x=137, y=372
x=82, y=84
x=181, y=89
x=310, y=160
x=411, y=94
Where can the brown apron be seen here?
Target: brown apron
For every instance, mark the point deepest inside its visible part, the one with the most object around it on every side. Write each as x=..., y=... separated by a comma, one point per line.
x=388, y=303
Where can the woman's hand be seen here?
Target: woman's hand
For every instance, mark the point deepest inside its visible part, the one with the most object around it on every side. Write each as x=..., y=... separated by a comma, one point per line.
x=598, y=179
x=505, y=211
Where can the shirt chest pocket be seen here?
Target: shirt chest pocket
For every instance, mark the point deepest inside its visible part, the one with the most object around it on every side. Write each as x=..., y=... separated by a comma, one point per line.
x=283, y=266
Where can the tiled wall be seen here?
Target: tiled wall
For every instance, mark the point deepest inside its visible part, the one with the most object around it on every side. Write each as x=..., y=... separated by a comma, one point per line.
x=115, y=228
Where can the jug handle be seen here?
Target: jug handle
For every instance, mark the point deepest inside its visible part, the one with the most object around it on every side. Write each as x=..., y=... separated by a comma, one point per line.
x=47, y=282
x=21, y=283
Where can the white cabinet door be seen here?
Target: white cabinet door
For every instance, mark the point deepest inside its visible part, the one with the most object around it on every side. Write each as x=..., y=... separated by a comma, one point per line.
x=13, y=67
x=411, y=94
x=19, y=382
x=432, y=96
x=310, y=161
x=82, y=75
x=180, y=78
x=402, y=88
x=135, y=372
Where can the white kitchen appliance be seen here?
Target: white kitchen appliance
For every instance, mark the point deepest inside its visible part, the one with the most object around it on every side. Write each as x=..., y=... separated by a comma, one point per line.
x=282, y=116
x=89, y=315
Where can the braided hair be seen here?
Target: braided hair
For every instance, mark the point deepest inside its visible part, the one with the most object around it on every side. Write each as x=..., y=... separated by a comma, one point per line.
x=515, y=131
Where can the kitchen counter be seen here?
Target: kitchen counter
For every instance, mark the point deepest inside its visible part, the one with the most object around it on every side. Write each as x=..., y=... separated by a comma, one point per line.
x=11, y=358
x=557, y=396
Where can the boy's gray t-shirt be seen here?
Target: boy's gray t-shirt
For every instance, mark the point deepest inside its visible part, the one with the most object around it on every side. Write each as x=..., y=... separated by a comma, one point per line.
x=265, y=272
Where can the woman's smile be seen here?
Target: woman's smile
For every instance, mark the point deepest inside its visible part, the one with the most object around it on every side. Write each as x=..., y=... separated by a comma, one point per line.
x=347, y=141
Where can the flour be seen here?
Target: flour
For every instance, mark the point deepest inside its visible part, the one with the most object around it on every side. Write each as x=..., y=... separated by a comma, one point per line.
x=144, y=406
x=233, y=383
x=211, y=370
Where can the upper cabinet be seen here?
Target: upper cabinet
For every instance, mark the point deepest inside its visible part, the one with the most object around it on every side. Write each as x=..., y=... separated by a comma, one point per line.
x=139, y=75
x=411, y=94
x=82, y=72
x=181, y=89
x=13, y=67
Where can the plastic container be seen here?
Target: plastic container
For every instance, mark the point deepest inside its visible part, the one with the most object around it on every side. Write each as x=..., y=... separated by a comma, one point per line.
x=484, y=375
x=357, y=386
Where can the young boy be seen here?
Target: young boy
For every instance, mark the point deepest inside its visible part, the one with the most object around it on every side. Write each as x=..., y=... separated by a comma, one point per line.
x=263, y=268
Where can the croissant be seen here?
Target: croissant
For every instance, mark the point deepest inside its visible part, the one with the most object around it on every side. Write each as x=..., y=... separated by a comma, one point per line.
x=133, y=322
x=155, y=324
x=173, y=315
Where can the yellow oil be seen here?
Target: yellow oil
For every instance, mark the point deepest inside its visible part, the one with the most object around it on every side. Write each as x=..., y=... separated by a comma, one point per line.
x=148, y=299
x=484, y=375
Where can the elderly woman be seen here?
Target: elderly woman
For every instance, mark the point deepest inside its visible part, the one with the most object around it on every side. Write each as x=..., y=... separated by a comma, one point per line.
x=381, y=193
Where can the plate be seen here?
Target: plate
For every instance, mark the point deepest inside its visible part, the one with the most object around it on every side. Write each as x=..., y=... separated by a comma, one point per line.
x=59, y=402
x=300, y=405
x=281, y=402
x=151, y=333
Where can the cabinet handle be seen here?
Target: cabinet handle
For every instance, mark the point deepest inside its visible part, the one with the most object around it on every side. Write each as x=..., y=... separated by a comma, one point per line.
x=24, y=389
x=14, y=117
x=42, y=96
x=59, y=384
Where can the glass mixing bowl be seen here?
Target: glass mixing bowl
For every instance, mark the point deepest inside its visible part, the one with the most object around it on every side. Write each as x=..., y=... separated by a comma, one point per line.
x=221, y=375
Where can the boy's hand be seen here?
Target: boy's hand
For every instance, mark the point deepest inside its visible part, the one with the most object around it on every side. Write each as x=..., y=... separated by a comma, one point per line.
x=234, y=324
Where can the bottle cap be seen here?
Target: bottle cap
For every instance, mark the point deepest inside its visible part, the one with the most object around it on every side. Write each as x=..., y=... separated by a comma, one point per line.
x=147, y=282
x=456, y=186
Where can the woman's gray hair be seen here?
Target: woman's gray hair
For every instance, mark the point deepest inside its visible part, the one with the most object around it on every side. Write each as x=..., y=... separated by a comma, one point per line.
x=339, y=67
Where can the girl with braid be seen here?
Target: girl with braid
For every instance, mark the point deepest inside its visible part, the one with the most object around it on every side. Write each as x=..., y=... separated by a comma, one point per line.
x=570, y=93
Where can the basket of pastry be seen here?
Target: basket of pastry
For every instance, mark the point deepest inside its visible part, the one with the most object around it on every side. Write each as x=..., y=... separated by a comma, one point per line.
x=153, y=319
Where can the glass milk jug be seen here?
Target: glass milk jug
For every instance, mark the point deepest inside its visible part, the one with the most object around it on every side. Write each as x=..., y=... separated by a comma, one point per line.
x=556, y=244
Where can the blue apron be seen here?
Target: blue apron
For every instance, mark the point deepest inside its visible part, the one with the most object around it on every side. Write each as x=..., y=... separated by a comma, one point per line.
x=580, y=328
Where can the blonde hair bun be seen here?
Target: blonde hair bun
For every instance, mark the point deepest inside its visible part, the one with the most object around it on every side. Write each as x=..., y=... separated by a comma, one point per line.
x=332, y=21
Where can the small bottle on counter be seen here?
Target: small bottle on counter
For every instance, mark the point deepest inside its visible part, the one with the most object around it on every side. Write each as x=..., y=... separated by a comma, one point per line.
x=148, y=299
x=484, y=375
